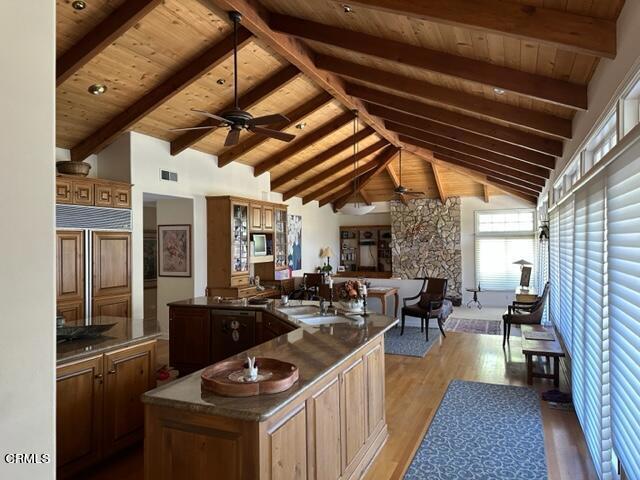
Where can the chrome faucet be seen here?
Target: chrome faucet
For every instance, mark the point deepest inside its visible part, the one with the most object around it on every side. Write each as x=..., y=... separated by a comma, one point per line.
x=323, y=306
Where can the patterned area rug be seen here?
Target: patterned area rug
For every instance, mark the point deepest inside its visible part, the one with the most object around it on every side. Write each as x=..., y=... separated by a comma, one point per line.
x=412, y=343
x=483, y=431
x=473, y=325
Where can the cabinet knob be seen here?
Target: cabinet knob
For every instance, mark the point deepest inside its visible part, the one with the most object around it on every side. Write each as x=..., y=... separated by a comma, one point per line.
x=111, y=372
x=98, y=376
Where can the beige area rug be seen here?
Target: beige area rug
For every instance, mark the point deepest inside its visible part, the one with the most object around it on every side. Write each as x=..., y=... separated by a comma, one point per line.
x=487, y=321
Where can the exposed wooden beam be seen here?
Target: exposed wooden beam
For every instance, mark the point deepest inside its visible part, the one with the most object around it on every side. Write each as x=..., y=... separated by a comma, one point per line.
x=254, y=96
x=439, y=183
x=565, y=30
x=506, y=183
x=473, y=162
x=180, y=80
x=464, y=136
x=256, y=19
x=365, y=197
x=488, y=172
x=538, y=121
x=254, y=141
x=309, y=139
x=466, y=122
x=383, y=159
x=393, y=176
x=496, y=158
x=337, y=168
x=319, y=159
x=338, y=182
x=121, y=19
x=485, y=191
x=529, y=84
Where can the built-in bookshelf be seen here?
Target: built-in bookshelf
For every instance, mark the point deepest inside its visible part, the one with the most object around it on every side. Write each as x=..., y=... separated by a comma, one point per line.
x=366, y=250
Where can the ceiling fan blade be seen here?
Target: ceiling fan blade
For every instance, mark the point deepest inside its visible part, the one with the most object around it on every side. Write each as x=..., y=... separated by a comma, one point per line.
x=232, y=137
x=269, y=119
x=415, y=194
x=192, y=128
x=285, y=137
x=402, y=198
x=211, y=115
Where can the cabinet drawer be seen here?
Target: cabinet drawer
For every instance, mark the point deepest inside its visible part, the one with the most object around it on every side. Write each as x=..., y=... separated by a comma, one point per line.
x=64, y=191
x=83, y=193
x=121, y=197
x=103, y=196
x=240, y=281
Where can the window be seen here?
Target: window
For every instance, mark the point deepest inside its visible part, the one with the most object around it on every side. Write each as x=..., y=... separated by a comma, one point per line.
x=503, y=237
x=602, y=141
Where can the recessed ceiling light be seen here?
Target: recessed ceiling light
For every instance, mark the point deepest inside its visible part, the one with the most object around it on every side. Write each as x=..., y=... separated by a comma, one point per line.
x=221, y=81
x=79, y=5
x=301, y=126
x=347, y=8
x=498, y=91
x=97, y=89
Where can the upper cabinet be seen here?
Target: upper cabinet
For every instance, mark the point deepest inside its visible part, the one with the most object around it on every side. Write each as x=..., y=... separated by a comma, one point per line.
x=262, y=217
x=92, y=191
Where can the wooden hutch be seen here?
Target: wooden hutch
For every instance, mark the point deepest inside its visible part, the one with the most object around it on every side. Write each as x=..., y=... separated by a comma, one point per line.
x=232, y=225
x=365, y=251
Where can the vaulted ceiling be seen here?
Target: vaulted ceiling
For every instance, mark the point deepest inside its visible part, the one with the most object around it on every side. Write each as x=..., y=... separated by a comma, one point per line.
x=478, y=94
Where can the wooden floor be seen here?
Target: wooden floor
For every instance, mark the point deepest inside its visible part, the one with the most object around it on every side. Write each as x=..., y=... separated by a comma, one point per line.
x=414, y=389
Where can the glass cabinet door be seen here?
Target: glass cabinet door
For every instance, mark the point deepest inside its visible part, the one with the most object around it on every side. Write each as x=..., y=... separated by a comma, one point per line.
x=280, y=250
x=240, y=238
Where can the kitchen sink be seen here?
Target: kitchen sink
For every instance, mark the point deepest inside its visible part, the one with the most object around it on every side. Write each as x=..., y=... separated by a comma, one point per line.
x=300, y=310
x=323, y=319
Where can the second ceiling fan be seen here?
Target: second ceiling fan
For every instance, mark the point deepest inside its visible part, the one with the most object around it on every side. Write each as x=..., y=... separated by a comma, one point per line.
x=237, y=119
x=402, y=192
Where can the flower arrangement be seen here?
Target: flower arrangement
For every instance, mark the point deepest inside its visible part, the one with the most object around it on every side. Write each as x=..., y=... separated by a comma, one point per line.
x=350, y=290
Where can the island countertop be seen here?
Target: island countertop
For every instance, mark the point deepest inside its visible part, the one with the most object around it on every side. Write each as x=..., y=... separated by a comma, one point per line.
x=316, y=350
x=139, y=330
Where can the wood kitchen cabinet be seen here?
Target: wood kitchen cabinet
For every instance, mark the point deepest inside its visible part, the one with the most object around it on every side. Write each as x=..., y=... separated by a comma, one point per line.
x=374, y=366
x=323, y=411
x=189, y=339
x=64, y=190
x=73, y=312
x=111, y=263
x=79, y=392
x=83, y=192
x=354, y=431
x=232, y=332
x=256, y=217
x=92, y=192
x=128, y=374
x=113, y=309
x=267, y=217
x=98, y=407
x=287, y=444
x=69, y=265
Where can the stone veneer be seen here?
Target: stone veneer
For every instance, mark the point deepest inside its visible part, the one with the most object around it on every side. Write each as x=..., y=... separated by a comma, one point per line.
x=426, y=240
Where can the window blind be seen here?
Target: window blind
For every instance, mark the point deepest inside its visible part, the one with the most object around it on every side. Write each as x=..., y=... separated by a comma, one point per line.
x=494, y=261
x=554, y=266
x=566, y=272
x=590, y=342
x=623, y=225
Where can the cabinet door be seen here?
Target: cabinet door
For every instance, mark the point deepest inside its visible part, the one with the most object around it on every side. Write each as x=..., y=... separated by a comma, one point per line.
x=111, y=263
x=116, y=309
x=289, y=448
x=353, y=412
x=79, y=413
x=83, y=193
x=189, y=339
x=239, y=239
x=121, y=197
x=323, y=416
x=256, y=217
x=375, y=388
x=267, y=217
x=73, y=313
x=129, y=373
x=64, y=191
x=103, y=195
x=69, y=265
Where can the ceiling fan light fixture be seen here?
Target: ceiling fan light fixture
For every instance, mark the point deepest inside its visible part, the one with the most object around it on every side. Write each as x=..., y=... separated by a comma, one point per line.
x=356, y=209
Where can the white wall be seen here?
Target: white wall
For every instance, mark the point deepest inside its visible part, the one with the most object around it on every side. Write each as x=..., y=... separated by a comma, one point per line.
x=467, y=242
x=27, y=278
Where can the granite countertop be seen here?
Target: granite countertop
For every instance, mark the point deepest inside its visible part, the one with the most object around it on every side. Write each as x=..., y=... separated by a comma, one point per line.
x=139, y=331
x=315, y=350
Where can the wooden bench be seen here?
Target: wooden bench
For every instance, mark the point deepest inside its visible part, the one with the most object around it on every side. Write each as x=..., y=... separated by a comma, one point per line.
x=541, y=348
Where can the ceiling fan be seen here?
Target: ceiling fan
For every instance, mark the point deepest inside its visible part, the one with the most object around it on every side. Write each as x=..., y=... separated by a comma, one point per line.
x=403, y=192
x=237, y=119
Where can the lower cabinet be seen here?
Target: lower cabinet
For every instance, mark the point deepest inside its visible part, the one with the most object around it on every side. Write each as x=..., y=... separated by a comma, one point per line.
x=333, y=432
x=189, y=338
x=73, y=313
x=118, y=307
x=98, y=407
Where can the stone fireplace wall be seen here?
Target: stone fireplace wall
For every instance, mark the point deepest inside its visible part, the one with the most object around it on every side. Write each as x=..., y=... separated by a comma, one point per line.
x=426, y=241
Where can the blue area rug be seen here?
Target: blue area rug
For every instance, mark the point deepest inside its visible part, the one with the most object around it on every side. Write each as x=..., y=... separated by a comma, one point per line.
x=483, y=431
x=411, y=344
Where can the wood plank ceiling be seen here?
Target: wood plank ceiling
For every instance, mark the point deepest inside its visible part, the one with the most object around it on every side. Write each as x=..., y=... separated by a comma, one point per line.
x=478, y=94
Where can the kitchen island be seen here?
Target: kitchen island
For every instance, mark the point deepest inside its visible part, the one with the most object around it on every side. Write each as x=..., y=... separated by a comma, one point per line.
x=329, y=425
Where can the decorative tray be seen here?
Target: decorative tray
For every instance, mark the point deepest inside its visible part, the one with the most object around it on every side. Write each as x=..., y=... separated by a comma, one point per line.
x=82, y=331
x=226, y=378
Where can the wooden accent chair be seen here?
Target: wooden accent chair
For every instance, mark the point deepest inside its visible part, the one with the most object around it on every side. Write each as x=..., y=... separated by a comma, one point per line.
x=429, y=306
x=524, y=313
x=312, y=283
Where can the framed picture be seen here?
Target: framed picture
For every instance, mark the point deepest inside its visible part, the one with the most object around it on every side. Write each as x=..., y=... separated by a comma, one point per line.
x=174, y=250
x=150, y=258
x=525, y=276
x=294, y=242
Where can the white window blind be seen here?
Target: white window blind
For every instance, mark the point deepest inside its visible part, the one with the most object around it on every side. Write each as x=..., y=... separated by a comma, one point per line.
x=590, y=342
x=503, y=237
x=554, y=266
x=566, y=272
x=623, y=224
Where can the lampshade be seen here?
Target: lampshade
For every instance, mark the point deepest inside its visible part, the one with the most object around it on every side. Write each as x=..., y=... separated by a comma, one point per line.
x=522, y=263
x=326, y=252
x=356, y=209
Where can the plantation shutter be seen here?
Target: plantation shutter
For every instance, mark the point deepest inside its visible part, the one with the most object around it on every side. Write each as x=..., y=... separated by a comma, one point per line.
x=554, y=266
x=566, y=271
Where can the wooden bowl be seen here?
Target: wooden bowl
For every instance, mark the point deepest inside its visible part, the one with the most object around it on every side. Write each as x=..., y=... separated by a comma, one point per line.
x=216, y=378
x=79, y=169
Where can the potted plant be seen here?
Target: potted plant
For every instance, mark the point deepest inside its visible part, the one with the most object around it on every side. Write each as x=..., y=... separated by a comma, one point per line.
x=350, y=296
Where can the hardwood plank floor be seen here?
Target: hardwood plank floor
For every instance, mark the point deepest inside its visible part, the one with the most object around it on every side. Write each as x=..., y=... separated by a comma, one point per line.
x=414, y=389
